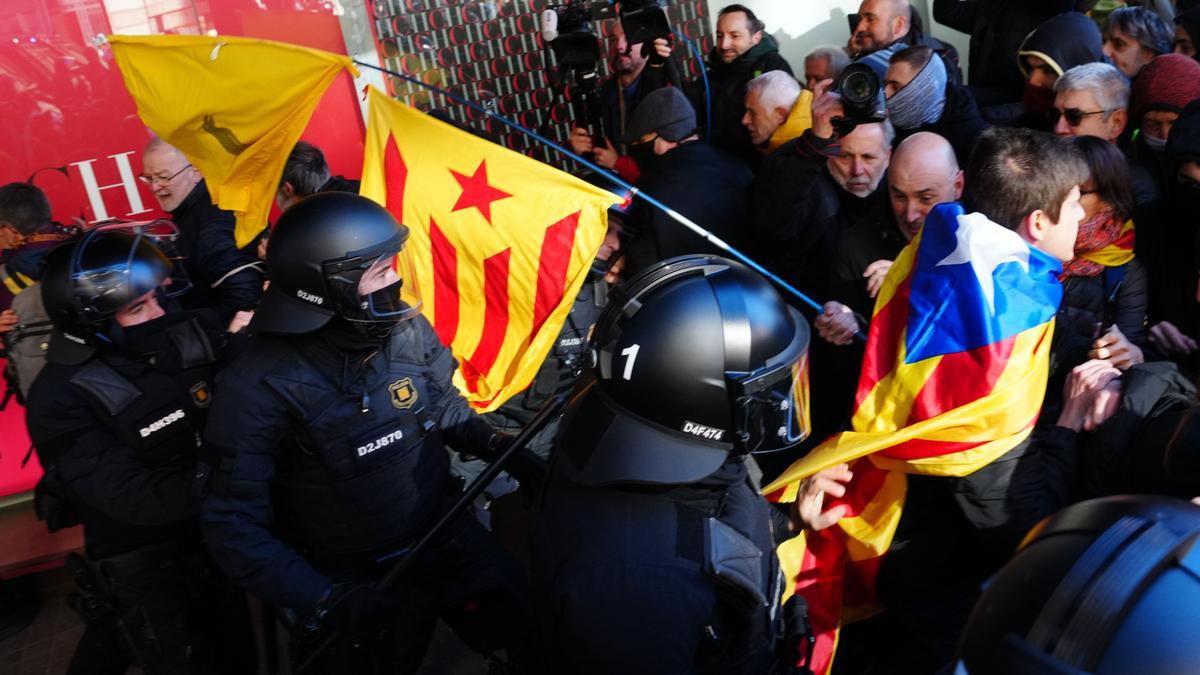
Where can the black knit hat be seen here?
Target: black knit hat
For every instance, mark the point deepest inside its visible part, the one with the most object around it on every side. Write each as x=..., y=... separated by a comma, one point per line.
x=665, y=111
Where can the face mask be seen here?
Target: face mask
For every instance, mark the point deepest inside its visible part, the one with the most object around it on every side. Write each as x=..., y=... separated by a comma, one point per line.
x=922, y=100
x=1038, y=99
x=1155, y=144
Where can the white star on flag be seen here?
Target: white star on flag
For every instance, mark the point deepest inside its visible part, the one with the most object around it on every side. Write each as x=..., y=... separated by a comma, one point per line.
x=985, y=246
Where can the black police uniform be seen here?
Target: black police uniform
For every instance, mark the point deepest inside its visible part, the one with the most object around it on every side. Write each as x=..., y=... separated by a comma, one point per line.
x=118, y=436
x=681, y=579
x=332, y=464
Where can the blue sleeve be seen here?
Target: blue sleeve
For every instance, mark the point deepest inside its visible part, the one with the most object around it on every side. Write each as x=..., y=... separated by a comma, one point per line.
x=247, y=423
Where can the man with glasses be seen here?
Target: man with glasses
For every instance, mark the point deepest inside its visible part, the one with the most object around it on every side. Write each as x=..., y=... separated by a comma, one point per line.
x=1093, y=100
x=224, y=277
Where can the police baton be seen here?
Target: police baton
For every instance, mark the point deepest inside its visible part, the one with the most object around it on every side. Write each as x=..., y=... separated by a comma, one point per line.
x=402, y=567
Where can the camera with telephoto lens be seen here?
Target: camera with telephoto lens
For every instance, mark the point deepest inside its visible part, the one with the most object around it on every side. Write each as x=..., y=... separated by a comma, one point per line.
x=862, y=98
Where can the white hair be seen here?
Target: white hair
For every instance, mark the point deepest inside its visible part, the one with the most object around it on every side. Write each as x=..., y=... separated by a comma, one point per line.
x=836, y=56
x=1105, y=82
x=775, y=89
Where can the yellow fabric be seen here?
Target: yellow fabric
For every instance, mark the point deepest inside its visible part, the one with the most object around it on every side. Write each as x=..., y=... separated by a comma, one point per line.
x=798, y=121
x=539, y=197
x=233, y=106
x=15, y=282
x=1117, y=253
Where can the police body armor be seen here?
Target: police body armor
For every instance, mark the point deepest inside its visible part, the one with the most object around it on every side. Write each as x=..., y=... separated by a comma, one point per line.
x=158, y=413
x=724, y=543
x=366, y=470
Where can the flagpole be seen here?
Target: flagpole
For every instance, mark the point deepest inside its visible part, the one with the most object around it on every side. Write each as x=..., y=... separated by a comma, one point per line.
x=617, y=180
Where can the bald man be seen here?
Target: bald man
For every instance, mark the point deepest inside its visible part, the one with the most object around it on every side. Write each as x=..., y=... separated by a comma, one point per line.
x=224, y=278
x=889, y=24
x=923, y=173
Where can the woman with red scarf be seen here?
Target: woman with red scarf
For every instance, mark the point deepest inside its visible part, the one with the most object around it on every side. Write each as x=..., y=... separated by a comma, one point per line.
x=1103, y=310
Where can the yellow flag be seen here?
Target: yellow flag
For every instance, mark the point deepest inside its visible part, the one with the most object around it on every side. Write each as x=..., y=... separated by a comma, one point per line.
x=502, y=242
x=233, y=106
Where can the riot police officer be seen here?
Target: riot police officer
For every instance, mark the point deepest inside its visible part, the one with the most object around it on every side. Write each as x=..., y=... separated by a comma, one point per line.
x=116, y=416
x=698, y=363
x=331, y=449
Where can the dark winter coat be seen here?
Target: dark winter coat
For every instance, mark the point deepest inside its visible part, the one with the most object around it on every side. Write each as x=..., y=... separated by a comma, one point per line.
x=960, y=123
x=727, y=96
x=224, y=277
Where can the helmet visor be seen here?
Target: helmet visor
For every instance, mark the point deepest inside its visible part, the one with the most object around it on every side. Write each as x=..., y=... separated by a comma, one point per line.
x=777, y=415
x=163, y=234
x=379, y=289
x=109, y=272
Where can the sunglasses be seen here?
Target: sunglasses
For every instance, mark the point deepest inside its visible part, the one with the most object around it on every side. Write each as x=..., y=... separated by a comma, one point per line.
x=1074, y=115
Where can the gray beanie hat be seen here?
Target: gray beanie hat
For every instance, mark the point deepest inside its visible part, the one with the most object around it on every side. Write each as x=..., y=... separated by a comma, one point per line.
x=666, y=111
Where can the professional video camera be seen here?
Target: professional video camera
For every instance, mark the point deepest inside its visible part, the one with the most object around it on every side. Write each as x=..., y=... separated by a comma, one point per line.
x=862, y=98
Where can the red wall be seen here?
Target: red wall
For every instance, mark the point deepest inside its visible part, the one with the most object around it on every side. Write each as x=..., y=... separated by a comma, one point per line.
x=66, y=120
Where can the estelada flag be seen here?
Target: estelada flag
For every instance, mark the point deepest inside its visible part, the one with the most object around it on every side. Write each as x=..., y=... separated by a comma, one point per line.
x=233, y=106
x=502, y=242
x=954, y=376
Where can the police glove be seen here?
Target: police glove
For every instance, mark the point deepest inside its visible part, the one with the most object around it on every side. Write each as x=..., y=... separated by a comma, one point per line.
x=355, y=607
x=530, y=470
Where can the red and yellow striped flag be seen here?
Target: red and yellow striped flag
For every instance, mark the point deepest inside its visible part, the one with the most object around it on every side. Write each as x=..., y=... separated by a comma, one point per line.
x=502, y=242
x=954, y=376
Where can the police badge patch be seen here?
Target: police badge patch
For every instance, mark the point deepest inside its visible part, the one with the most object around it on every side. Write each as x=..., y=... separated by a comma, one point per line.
x=200, y=394
x=404, y=394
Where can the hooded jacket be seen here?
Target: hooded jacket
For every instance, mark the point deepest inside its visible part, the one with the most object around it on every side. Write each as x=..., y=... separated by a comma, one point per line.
x=1190, y=20
x=727, y=96
x=997, y=29
x=798, y=121
x=1066, y=41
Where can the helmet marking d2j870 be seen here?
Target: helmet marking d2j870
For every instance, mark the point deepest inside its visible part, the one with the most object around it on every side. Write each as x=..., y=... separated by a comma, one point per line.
x=696, y=358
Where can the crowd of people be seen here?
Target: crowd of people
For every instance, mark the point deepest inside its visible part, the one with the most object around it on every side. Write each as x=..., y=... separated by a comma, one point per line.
x=268, y=429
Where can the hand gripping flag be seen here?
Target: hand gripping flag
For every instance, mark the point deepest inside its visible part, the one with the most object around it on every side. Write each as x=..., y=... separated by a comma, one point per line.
x=233, y=106
x=502, y=242
x=954, y=375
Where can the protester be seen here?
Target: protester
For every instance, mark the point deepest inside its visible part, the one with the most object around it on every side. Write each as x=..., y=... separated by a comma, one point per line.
x=824, y=63
x=223, y=277
x=1133, y=36
x=1160, y=93
x=1187, y=33
x=920, y=98
x=954, y=532
x=887, y=26
x=636, y=72
x=27, y=233
x=1056, y=46
x=694, y=178
x=306, y=173
x=997, y=29
x=742, y=52
x=1103, y=310
x=777, y=110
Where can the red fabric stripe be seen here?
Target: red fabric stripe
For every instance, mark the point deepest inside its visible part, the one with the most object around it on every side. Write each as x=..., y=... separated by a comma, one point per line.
x=883, y=341
x=959, y=378
x=861, y=490
x=395, y=173
x=495, y=319
x=919, y=448
x=445, y=284
x=859, y=581
x=552, y=268
x=820, y=584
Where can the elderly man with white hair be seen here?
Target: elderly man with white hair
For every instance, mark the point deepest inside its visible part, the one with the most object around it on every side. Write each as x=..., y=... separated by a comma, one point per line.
x=777, y=110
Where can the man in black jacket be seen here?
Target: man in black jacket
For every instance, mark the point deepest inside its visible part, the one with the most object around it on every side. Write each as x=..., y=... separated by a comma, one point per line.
x=224, y=277
x=694, y=178
x=743, y=51
x=997, y=29
x=892, y=25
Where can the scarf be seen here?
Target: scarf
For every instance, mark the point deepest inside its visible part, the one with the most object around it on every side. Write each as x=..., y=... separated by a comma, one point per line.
x=1101, y=242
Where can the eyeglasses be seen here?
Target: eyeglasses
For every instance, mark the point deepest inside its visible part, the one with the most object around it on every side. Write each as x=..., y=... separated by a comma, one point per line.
x=151, y=180
x=1074, y=115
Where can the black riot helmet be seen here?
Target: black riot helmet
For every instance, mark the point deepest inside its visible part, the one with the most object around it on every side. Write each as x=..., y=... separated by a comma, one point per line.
x=337, y=254
x=87, y=280
x=696, y=358
x=1109, y=585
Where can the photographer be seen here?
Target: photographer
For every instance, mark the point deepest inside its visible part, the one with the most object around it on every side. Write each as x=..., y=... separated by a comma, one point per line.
x=638, y=69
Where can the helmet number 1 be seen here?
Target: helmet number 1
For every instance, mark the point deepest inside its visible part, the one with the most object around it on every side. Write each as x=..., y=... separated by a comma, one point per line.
x=630, y=353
